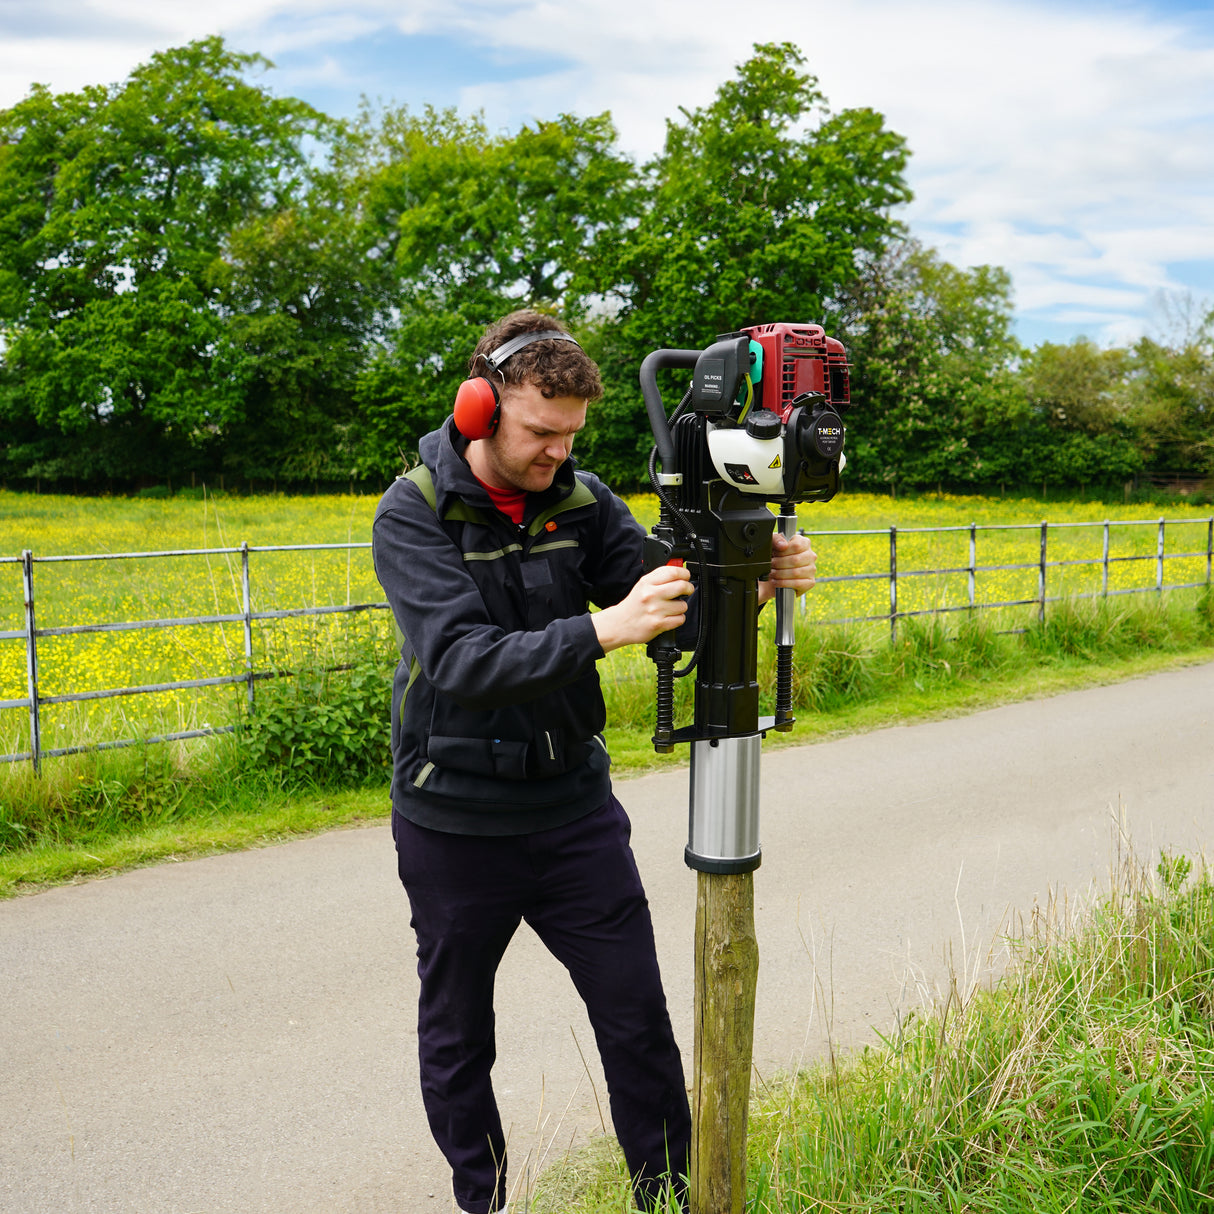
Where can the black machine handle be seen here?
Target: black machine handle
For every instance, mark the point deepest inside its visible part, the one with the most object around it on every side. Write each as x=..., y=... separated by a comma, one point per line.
x=652, y=364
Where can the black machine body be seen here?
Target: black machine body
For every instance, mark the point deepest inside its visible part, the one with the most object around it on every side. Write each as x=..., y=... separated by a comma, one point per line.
x=761, y=424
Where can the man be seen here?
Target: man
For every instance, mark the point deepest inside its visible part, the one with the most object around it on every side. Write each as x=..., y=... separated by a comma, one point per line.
x=491, y=553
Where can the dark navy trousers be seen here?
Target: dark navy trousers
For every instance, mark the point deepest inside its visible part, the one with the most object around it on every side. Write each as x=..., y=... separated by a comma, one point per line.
x=578, y=887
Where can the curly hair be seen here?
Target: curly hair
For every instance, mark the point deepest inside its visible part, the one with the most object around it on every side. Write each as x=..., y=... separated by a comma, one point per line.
x=557, y=368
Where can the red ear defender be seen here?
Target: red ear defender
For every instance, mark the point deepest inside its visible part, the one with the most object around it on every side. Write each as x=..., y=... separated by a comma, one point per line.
x=478, y=408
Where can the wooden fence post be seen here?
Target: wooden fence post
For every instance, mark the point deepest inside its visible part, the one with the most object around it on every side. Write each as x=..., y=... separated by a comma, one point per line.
x=726, y=974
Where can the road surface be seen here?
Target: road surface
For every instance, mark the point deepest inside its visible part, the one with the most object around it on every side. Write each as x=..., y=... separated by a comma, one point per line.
x=236, y=1033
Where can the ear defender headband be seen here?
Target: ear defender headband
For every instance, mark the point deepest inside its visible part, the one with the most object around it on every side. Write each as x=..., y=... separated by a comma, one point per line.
x=478, y=404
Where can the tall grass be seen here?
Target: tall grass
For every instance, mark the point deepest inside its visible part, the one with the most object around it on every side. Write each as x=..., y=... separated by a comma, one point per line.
x=105, y=812
x=1083, y=1080
x=845, y=665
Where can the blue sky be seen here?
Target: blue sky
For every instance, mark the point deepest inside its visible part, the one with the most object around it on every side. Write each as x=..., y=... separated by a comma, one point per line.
x=1070, y=142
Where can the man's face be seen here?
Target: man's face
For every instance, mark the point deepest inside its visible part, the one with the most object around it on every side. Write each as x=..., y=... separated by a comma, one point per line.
x=533, y=439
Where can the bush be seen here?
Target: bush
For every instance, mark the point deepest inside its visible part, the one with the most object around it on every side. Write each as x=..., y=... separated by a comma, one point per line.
x=323, y=725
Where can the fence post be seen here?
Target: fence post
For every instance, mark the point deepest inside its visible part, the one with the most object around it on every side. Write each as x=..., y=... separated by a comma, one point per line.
x=893, y=585
x=1105, y=581
x=973, y=558
x=1159, y=560
x=31, y=659
x=1041, y=574
x=1209, y=547
x=248, y=618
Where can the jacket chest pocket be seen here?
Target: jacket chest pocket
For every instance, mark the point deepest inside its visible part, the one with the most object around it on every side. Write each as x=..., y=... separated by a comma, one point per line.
x=537, y=574
x=553, y=583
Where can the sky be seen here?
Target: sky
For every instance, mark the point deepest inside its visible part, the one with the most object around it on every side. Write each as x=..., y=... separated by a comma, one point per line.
x=1070, y=142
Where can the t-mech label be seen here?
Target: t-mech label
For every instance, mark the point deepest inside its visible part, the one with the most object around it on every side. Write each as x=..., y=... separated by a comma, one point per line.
x=828, y=437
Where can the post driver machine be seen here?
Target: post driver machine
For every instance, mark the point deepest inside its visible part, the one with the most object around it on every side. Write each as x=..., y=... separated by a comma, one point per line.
x=759, y=424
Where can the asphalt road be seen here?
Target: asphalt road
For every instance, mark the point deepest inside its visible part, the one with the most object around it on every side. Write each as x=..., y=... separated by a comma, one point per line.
x=236, y=1033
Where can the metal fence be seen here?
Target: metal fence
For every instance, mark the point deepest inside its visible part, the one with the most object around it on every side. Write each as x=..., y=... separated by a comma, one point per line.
x=895, y=575
x=34, y=700
x=1042, y=565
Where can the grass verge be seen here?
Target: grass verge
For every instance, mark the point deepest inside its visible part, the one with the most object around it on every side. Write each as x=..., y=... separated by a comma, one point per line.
x=315, y=756
x=119, y=818
x=1080, y=1081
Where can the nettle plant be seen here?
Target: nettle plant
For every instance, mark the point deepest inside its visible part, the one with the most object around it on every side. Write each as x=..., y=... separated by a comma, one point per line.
x=323, y=725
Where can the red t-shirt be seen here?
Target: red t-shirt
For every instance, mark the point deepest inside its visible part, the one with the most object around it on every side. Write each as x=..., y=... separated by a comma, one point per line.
x=509, y=501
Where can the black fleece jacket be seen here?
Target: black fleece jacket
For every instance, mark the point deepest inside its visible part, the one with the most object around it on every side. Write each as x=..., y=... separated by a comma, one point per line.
x=497, y=712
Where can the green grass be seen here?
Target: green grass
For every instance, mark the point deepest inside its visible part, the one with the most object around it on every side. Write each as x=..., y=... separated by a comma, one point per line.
x=1081, y=1081
x=97, y=814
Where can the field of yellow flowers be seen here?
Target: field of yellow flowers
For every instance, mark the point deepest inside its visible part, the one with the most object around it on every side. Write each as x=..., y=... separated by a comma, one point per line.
x=850, y=534
x=147, y=588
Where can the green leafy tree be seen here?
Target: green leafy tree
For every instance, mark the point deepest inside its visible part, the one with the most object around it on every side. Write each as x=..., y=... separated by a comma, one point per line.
x=1174, y=414
x=477, y=225
x=117, y=203
x=306, y=293
x=936, y=397
x=762, y=207
x=1082, y=403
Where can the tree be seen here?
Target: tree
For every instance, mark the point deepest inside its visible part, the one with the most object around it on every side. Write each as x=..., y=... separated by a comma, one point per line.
x=1175, y=402
x=761, y=207
x=936, y=398
x=117, y=203
x=477, y=225
x=306, y=294
x=1082, y=406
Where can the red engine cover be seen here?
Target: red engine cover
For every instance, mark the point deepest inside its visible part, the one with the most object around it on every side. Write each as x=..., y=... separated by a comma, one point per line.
x=804, y=359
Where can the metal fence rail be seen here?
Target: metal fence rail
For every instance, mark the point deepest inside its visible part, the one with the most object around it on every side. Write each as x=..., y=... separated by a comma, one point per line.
x=1041, y=566
x=247, y=617
x=34, y=700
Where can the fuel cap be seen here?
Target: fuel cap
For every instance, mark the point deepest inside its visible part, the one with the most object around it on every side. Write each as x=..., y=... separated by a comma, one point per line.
x=763, y=423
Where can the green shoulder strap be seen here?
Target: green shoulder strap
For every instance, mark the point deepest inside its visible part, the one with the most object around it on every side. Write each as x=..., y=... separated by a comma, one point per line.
x=421, y=477
x=457, y=511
